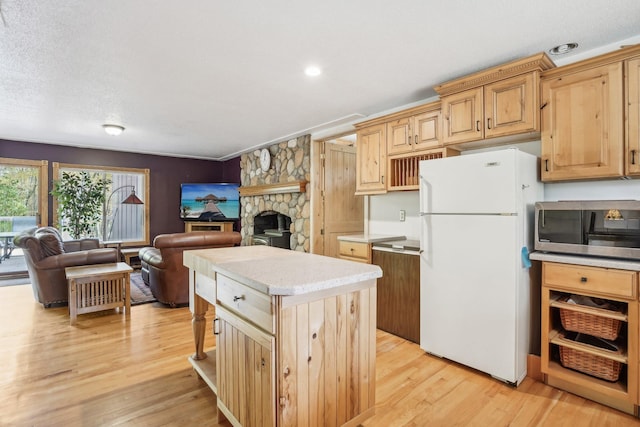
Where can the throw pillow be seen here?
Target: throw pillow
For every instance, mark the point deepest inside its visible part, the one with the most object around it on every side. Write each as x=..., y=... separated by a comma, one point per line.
x=50, y=244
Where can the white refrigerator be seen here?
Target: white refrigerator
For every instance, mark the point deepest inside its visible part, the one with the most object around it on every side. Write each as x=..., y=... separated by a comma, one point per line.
x=476, y=216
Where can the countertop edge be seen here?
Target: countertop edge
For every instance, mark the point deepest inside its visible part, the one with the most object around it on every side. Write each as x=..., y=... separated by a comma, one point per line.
x=274, y=290
x=369, y=238
x=355, y=272
x=619, y=264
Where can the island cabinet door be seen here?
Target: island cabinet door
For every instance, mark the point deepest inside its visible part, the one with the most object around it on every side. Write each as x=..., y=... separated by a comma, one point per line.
x=246, y=386
x=326, y=360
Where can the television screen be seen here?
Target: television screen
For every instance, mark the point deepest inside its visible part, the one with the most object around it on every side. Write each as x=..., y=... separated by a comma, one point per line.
x=209, y=202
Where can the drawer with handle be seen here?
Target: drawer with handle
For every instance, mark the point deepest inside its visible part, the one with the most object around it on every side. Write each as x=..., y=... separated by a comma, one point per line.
x=609, y=282
x=354, y=250
x=254, y=306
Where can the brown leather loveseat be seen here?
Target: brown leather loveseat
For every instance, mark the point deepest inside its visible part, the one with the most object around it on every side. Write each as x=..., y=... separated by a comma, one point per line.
x=46, y=256
x=162, y=267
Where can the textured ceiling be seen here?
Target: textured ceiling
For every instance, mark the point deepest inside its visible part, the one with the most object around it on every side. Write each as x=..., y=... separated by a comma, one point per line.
x=212, y=79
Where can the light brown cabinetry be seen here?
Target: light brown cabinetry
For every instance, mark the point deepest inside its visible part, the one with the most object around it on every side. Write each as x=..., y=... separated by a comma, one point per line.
x=355, y=251
x=463, y=118
x=632, y=124
x=590, y=116
x=305, y=358
x=246, y=387
x=371, y=160
x=414, y=133
x=406, y=137
x=498, y=102
x=609, y=376
x=582, y=124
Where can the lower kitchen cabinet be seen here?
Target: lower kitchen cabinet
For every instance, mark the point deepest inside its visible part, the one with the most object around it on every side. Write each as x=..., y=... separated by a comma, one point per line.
x=589, y=330
x=289, y=351
x=246, y=388
x=398, y=294
x=354, y=251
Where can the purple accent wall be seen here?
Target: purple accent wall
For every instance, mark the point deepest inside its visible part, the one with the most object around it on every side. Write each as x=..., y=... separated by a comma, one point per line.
x=166, y=174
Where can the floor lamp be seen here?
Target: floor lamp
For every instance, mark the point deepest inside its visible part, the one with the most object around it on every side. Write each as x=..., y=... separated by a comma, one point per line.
x=131, y=200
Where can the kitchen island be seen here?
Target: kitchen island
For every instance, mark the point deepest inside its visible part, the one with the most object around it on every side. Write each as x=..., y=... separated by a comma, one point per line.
x=295, y=335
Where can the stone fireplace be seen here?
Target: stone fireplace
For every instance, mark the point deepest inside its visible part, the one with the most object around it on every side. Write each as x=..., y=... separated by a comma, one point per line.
x=278, y=190
x=272, y=229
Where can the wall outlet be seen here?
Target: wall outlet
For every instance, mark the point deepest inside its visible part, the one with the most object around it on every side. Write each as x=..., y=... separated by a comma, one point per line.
x=403, y=214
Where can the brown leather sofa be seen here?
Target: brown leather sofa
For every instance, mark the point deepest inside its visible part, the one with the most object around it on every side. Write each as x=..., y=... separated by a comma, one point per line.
x=162, y=267
x=47, y=255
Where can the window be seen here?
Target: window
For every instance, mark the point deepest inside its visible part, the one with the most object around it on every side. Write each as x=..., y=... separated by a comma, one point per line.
x=121, y=222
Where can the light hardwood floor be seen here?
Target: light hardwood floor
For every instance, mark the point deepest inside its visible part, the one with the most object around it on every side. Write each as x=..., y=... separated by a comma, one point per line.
x=106, y=371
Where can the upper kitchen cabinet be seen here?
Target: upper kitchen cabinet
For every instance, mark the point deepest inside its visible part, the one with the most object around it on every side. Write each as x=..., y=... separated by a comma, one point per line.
x=371, y=160
x=589, y=125
x=582, y=124
x=414, y=130
x=389, y=148
x=632, y=125
x=498, y=102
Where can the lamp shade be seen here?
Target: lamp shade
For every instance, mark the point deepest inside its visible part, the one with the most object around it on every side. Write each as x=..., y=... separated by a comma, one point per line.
x=132, y=199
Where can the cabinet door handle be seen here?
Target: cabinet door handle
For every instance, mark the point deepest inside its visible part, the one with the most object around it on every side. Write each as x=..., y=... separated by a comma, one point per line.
x=415, y=139
x=489, y=123
x=546, y=165
x=478, y=125
x=583, y=279
x=214, y=326
x=409, y=139
x=236, y=299
x=262, y=362
x=633, y=157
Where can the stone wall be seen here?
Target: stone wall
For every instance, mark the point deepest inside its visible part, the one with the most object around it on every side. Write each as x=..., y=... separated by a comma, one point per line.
x=290, y=161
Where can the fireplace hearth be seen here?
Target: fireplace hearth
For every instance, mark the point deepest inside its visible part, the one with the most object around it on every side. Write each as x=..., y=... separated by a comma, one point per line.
x=272, y=229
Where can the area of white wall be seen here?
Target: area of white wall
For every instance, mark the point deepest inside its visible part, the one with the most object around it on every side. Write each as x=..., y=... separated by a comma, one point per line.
x=618, y=189
x=384, y=214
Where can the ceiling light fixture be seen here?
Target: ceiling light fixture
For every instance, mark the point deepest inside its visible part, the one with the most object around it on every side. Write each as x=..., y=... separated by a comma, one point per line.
x=112, y=129
x=312, y=71
x=563, y=48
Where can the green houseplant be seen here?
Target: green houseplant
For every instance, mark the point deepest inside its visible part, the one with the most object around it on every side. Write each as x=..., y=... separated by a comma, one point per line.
x=80, y=197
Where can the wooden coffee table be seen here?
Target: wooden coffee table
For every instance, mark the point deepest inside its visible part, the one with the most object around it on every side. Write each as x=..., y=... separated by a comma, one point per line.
x=98, y=287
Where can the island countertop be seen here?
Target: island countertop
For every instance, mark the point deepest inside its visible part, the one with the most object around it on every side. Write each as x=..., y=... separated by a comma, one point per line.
x=276, y=271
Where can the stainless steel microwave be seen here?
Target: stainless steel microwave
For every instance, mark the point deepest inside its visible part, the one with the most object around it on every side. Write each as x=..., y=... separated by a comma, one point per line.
x=608, y=228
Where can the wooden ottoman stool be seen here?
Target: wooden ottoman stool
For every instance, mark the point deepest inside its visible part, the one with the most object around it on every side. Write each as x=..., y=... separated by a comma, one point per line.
x=98, y=287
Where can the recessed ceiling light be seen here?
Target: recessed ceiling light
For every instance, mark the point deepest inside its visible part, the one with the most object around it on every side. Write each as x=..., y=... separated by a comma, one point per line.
x=312, y=71
x=112, y=129
x=563, y=48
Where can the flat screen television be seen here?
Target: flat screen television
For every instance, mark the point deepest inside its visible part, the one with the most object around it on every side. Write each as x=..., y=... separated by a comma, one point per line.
x=210, y=202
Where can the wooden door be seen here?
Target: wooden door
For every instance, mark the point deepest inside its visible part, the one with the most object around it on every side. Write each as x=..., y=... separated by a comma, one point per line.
x=427, y=130
x=462, y=115
x=510, y=106
x=343, y=209
x=371, y=157
x=632, y=124
x=399, y=136
x=245, y=372
x=582, y=124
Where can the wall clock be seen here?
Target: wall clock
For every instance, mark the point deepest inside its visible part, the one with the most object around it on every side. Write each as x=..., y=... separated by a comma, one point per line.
x=265, y=159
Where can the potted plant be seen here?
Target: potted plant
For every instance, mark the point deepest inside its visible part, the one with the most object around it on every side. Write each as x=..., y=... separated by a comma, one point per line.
x=80, y=198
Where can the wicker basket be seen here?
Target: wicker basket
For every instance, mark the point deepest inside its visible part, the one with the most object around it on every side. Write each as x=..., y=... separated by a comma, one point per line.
x=597, y=366
x=598, y=326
